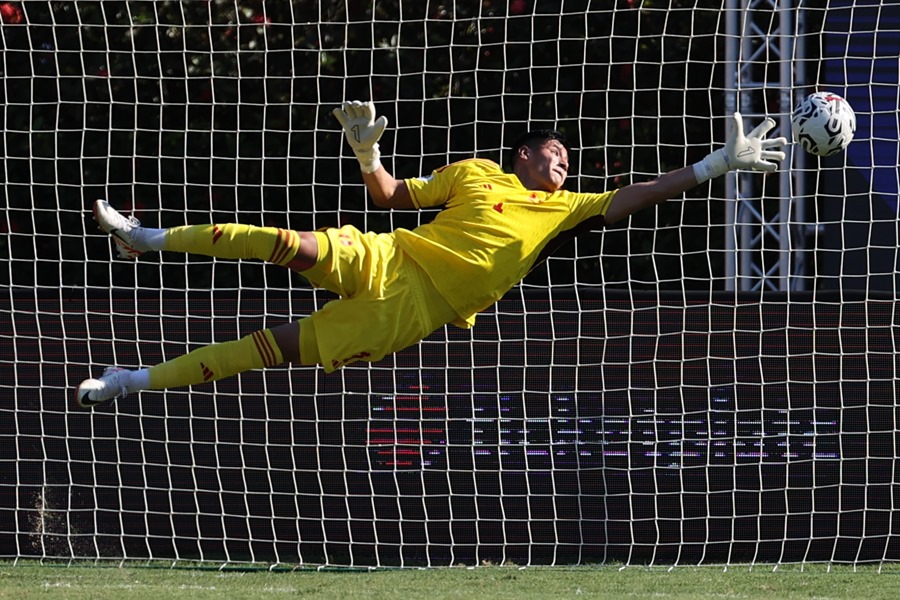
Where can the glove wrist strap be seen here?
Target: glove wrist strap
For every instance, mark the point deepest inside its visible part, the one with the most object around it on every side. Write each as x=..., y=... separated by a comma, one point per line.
x=714, y=165
x=369, y=160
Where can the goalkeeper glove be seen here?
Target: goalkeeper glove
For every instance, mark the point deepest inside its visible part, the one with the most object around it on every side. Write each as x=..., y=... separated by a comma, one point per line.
x=752, y=152
x=362, y=131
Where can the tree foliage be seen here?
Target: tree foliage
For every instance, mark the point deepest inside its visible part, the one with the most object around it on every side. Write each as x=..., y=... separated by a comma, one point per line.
x=187, y=111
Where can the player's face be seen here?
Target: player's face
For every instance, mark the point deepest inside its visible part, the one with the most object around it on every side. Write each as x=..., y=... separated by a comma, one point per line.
x=548, y=166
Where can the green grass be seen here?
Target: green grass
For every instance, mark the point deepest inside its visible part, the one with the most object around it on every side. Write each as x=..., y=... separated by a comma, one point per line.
x=819, y=582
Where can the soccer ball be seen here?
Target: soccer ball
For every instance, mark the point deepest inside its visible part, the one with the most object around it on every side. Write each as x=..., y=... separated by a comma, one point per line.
x=823, y=123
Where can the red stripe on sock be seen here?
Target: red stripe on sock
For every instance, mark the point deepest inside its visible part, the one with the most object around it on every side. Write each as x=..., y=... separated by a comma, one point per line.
x=217, y=233
x=269, y=349
x=264, y=348
x=283, y=246
x=207, y=372
x=278, y=250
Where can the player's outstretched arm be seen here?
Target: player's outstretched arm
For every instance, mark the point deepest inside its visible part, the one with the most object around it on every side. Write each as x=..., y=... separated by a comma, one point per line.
x=752, y=152
x=363, y=131
x=386, y=191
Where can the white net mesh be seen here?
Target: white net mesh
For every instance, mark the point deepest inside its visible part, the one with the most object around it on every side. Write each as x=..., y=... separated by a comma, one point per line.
x=623, y=404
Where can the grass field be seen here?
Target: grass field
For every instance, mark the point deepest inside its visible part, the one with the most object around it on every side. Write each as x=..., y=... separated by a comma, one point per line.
x=819, y=582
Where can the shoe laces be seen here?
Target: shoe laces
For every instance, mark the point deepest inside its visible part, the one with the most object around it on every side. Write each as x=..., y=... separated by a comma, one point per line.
x=131, y=220
x=114, y=375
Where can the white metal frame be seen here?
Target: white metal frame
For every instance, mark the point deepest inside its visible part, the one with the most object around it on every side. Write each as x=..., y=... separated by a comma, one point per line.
x=765, y=250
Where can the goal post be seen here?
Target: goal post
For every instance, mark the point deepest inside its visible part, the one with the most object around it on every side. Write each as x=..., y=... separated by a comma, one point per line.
x=627, y=403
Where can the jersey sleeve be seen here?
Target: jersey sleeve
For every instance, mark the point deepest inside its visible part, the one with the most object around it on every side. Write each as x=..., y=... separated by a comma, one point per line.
x=586, y=206
x=433, y=190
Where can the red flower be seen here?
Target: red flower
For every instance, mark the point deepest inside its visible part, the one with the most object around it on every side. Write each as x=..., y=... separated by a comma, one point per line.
x=11, y=13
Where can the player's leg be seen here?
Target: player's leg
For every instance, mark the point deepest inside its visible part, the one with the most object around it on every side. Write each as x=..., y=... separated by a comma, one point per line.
x=271, y=244
x=397, y=310
x=260, y=349
x=347, y=261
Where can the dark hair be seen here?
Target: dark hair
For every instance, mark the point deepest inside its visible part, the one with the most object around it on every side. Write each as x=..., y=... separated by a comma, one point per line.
x=534, y=139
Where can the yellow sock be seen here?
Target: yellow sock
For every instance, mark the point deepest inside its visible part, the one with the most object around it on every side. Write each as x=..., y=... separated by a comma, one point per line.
x=232, y=240
x=216, y=361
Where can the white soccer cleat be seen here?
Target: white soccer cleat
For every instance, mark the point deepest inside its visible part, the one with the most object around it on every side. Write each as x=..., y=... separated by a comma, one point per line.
x=110, y=385
x=121, y=228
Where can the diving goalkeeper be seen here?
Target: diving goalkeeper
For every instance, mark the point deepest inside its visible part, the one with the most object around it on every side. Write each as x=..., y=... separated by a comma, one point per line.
x=396, y=288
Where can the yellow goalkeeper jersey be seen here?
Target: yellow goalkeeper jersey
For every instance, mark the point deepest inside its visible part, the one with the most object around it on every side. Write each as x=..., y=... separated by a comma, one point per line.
x=490, y=232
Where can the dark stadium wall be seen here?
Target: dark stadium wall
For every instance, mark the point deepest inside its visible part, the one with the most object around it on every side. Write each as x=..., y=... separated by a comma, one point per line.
x=618, y=427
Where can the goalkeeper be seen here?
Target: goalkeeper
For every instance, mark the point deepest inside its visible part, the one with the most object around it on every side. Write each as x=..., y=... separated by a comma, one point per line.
x=396, y=288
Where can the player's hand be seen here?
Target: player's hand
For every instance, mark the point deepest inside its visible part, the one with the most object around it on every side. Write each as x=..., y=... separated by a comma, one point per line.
x=363, y=132
x=751, y=152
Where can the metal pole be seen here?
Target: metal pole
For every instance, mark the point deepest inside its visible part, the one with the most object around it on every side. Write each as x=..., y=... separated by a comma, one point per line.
x=786, y=47
x=797, y=163
x=732, y=51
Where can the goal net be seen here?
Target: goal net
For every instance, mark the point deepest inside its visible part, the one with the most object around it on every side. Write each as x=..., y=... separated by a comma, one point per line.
x=713, y=381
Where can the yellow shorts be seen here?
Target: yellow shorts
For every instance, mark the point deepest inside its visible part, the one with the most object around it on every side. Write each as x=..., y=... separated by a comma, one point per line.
x=386, y=303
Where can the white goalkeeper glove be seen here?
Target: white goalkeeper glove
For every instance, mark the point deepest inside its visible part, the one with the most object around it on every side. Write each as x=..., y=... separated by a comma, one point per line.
x=751, y=152
x=362, y=131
